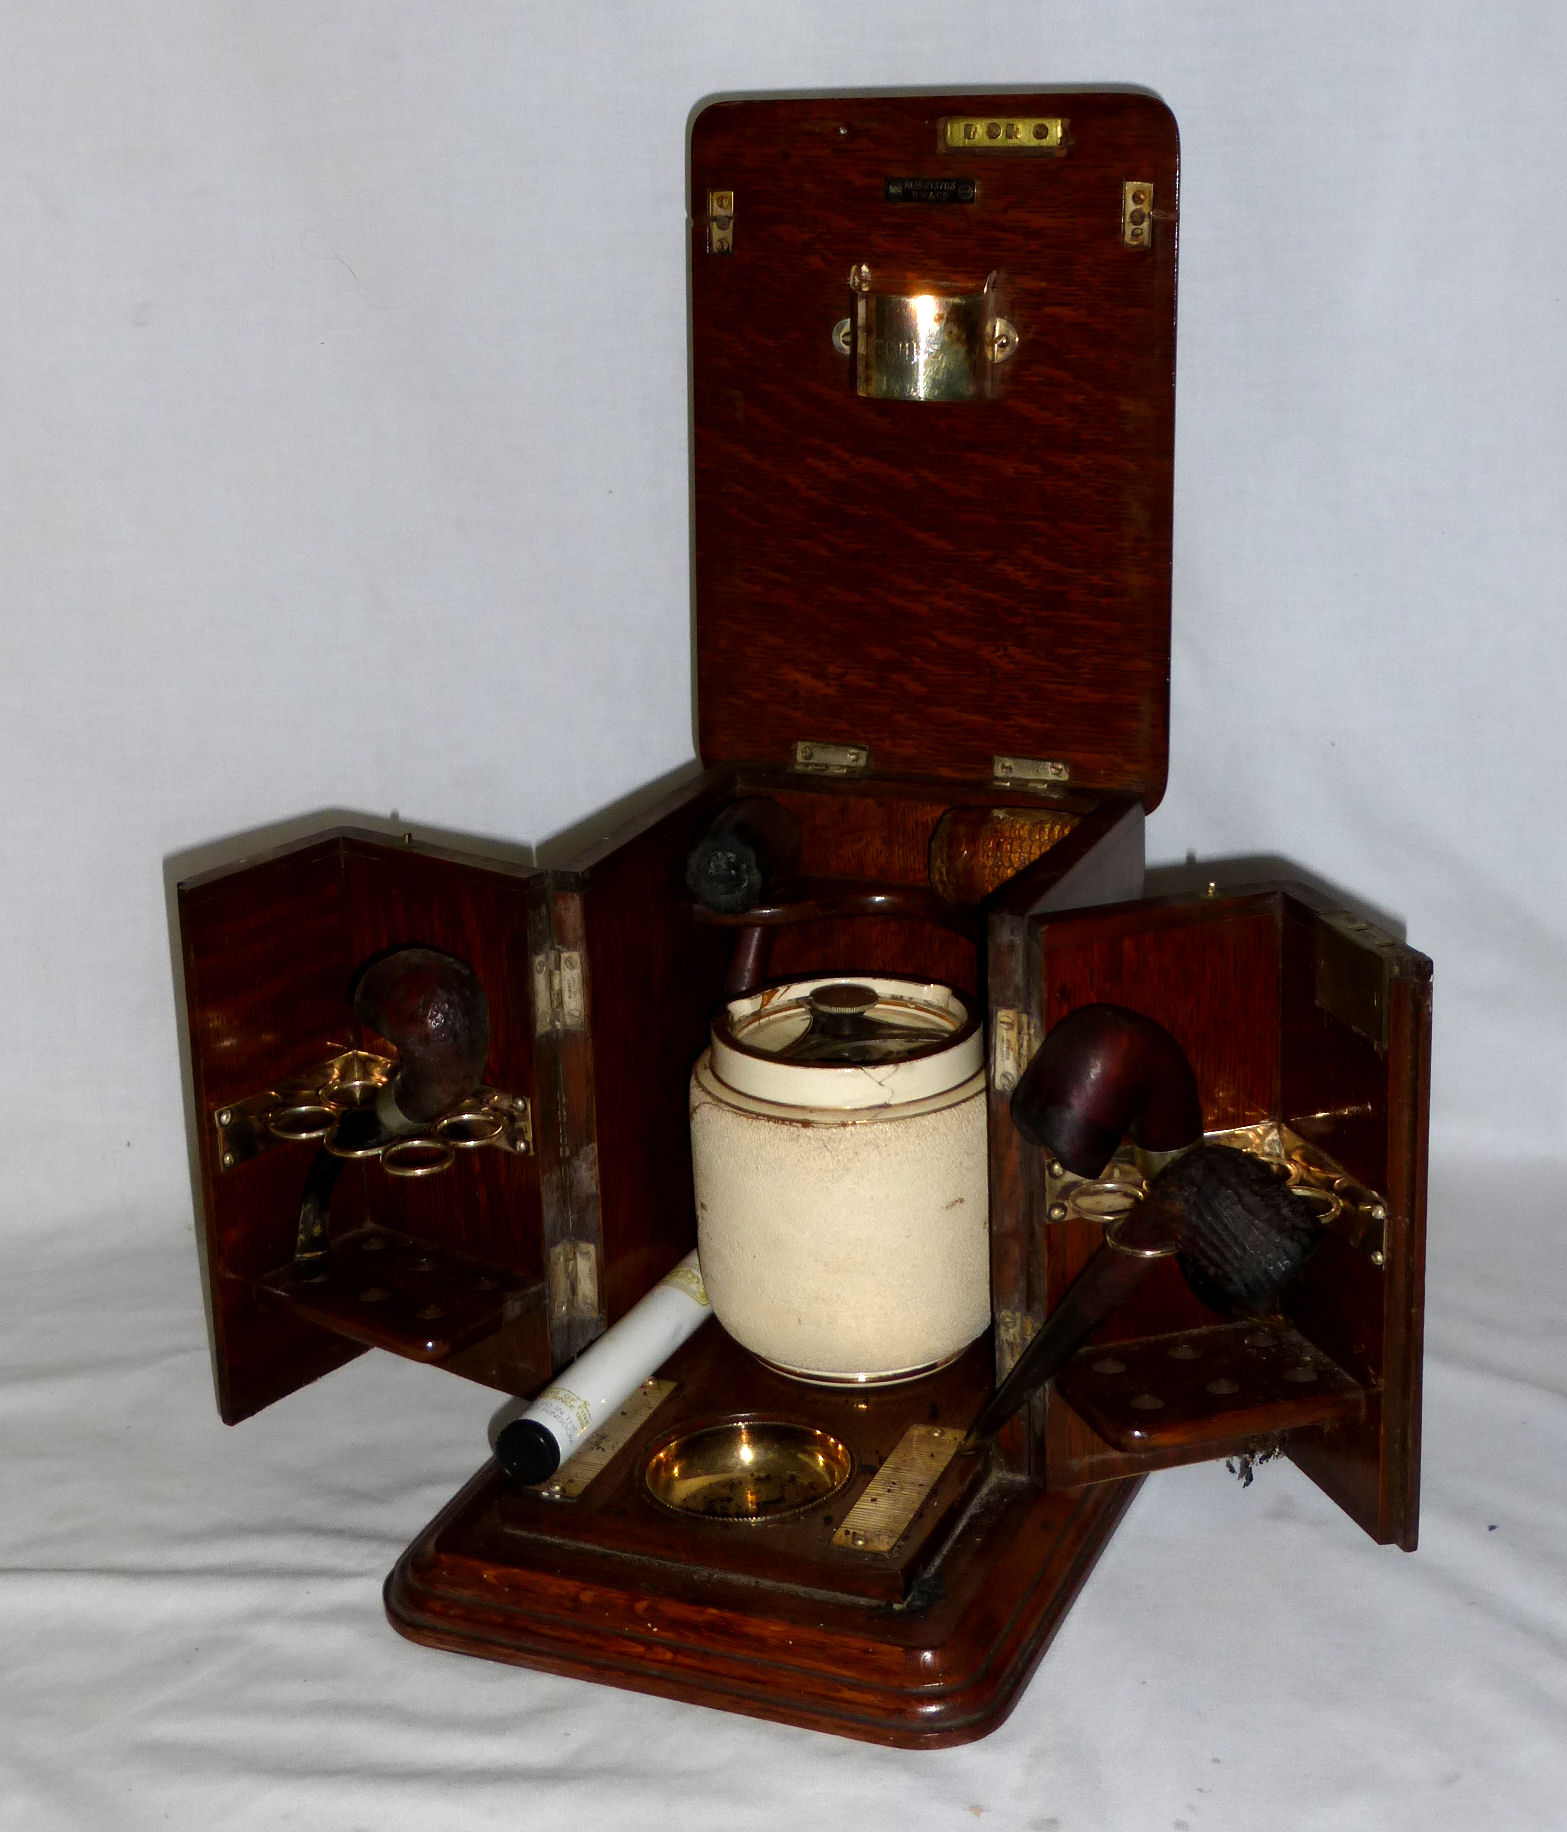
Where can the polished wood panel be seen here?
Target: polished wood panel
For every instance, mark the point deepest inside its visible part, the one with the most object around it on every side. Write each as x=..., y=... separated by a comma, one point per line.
x=716, y=1380
x=270, y=947
x=938, y=581
x=1213, y=1390
x=1237, y=979
x=944, y=1669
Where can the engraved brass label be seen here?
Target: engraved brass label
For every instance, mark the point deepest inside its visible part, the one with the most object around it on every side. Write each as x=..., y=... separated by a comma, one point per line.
x=881, y=1516
x=1002, y=133
x=930, y=190
x=617, y=1431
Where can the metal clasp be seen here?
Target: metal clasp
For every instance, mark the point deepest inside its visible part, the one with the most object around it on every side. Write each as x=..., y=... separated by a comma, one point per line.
x=925, y=346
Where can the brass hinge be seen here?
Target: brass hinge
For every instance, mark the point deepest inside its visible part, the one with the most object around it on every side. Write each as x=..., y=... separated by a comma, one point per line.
x=1014, y=1331
x=559, y=1003
x=720, y=222
x=1029, y=772
x=1014, y=1037
x=831, y=759
x=574, y=1281
x=1137, y=213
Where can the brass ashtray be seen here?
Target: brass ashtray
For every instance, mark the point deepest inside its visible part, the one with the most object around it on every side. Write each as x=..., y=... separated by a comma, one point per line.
x=750, y=1470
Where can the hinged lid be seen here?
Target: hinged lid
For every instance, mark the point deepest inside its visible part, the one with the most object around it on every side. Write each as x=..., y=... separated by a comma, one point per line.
x=933, y=501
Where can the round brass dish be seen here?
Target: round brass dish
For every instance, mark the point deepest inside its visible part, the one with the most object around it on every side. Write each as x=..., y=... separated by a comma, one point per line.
x=750, y=1470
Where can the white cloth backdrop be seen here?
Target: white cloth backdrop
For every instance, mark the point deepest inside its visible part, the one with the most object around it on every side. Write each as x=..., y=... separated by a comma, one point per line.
x=342, y=467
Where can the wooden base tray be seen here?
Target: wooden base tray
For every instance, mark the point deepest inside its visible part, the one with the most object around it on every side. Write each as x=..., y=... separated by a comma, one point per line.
x=926, y=1645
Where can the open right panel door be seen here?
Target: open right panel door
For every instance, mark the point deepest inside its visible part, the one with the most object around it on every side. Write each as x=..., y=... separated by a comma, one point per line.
x=1309, y=1031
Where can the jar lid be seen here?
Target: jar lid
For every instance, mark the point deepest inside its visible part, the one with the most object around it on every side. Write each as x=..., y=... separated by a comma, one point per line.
x=836, y=1042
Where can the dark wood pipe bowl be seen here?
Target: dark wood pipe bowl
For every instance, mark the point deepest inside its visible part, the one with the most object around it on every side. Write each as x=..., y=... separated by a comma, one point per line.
x=431, y=1007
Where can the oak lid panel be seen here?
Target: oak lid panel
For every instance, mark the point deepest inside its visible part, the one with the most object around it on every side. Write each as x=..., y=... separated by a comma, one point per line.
x=940, y=581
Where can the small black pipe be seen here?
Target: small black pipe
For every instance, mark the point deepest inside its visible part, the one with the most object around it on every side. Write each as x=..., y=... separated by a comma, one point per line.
x=749, y=855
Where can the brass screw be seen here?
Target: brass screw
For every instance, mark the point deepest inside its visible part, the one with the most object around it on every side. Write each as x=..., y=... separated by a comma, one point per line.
x=228, y=1160
x=224, y=1117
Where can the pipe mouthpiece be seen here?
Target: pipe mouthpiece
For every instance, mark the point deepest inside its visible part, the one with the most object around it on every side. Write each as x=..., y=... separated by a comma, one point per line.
x=527, y=1452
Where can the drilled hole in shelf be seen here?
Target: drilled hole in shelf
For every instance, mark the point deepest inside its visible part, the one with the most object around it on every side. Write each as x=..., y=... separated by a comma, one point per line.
x=1303, y=1373
x=374, y=1294
x=430, y=1313
x=374, y=1244
x=1221, y=1389
x=1147, y=1402
x=1109, y=1366
x=424, y=1264
x=1183, y=1351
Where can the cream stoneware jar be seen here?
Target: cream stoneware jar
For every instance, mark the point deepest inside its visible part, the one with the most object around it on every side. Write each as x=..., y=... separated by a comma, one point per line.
x=838, y=1143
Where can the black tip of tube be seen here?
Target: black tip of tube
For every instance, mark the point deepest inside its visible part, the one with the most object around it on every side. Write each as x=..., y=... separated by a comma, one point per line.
x=527, y=1452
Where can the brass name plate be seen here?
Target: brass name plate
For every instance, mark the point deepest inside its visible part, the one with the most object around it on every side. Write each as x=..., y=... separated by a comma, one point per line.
x=591, y=1457
x=1002, y=133
x=881, y=1516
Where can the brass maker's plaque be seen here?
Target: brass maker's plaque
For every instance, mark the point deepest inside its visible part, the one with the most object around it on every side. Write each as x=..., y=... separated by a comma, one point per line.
x=881, y=1516
x=929, y=190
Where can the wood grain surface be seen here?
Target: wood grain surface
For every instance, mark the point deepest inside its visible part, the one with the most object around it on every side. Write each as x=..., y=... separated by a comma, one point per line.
x=942, y=582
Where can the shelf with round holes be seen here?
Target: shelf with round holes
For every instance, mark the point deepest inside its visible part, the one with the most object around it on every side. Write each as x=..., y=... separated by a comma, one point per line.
x=1224, y=1381
x=390, y=1291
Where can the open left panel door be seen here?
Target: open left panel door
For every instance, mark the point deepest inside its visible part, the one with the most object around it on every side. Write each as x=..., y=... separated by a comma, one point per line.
x=436, y=1250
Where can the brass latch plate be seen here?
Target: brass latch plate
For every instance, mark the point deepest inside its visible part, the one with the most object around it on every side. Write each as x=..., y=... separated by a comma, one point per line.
x=883, y=1514
x=597, y=1452
x=1002, y=133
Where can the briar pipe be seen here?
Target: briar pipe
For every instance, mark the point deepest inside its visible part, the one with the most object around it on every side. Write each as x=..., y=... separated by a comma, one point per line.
x=1105, y=1072
x=1240, y=1233
x=432, y=1009
x=1102, y=1073
x=745, y=872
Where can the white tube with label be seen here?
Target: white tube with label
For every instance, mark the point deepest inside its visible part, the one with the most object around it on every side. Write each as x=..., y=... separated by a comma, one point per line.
x=604, y=1375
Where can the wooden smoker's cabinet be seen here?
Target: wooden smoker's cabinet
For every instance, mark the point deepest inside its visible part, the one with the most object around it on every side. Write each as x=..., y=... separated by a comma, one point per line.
x=903, y=606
